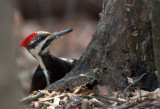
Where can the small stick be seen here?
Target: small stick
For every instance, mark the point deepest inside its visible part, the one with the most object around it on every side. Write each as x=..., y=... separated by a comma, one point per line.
x=134, y=82
x=125, y=106
x=101, y=98
x=29, y=99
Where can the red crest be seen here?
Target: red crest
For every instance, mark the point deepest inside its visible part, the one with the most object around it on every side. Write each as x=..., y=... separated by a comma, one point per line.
x=27, y=40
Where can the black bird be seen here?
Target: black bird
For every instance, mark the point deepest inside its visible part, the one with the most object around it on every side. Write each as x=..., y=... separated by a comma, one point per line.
x=50, y=68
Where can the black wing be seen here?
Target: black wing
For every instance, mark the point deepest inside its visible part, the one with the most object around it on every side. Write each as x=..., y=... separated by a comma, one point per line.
x=38, y=80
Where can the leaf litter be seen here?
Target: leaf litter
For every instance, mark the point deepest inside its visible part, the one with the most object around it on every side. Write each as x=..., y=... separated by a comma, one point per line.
x=81, y=98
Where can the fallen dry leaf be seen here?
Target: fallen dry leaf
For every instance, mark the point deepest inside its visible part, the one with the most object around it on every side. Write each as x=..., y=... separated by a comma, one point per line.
x=36, y=104
x=45, y=99
x=121, y=99
x=130, y=80
x=80, y=92
x=94, y=100
x=56, y=101
x=51, y=107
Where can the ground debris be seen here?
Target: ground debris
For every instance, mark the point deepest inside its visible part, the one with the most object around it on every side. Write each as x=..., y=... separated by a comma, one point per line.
x=81, y=98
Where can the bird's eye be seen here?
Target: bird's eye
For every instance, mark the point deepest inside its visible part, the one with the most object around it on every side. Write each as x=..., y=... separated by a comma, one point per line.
x=41, y=38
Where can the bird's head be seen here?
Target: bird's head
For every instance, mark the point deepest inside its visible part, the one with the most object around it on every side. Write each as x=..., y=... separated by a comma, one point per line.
x=38, y=43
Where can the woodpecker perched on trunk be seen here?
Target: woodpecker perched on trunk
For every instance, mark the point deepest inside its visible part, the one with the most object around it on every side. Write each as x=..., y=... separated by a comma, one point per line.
x=51, y=68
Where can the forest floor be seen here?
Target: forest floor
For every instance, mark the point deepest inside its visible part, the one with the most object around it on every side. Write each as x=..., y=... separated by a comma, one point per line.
x=82, y=98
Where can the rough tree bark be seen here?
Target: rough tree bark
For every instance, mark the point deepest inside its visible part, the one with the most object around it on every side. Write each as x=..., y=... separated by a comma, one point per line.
x=156, y=34
x=121, y=46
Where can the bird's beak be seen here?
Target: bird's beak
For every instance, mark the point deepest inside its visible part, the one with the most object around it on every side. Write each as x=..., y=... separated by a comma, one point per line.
x=58, y=35
x=53, y=37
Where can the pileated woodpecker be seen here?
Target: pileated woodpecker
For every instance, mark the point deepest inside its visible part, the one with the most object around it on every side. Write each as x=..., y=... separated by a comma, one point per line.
x=51, y=68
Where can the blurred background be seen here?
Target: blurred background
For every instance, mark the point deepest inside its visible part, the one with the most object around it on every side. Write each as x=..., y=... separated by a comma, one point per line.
x=52, y=15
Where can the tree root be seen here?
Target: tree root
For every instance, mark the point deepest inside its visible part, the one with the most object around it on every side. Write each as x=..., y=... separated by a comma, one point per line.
x=78, y=80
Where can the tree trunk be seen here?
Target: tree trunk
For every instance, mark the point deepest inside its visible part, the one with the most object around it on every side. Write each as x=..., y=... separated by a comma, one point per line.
x=156, y=34
x=121, y=47
x=8, y=87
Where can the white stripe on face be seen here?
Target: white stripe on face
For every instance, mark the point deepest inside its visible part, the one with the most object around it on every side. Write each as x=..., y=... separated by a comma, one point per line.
x=35, y=51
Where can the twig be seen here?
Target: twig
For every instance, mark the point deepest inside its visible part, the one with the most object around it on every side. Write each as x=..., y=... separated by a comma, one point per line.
x=101, y=98
x=142, y=104
x=134, y=82
x=125, y=106
x=29, y=99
